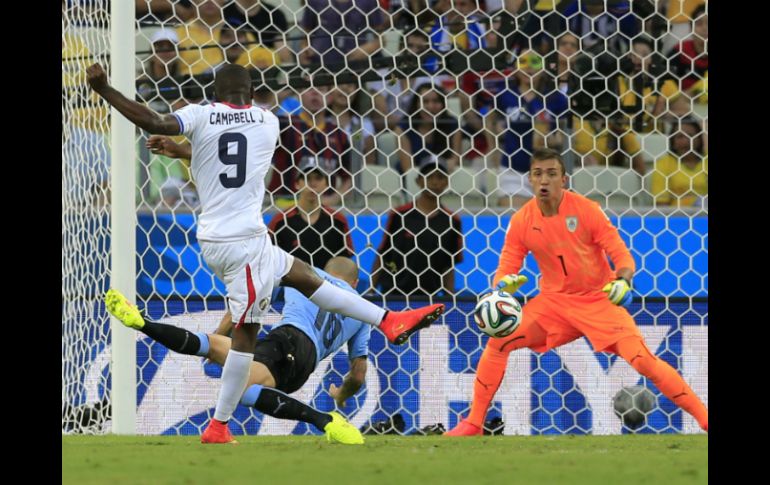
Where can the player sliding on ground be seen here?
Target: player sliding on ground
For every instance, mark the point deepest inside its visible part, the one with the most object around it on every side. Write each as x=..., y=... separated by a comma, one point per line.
x=285, y=358
x=232, y=146
x=570, y=238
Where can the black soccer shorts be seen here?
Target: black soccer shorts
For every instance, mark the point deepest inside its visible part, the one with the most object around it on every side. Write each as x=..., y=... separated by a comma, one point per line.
x=289, y=355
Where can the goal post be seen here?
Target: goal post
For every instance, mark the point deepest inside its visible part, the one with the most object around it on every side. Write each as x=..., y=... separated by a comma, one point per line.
x=123, y=218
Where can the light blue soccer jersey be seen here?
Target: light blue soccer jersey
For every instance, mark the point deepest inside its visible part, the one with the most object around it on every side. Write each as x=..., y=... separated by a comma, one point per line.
x=328, y=331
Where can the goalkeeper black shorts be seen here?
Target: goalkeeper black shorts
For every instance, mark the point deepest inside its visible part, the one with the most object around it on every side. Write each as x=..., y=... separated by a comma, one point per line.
x=289, y=355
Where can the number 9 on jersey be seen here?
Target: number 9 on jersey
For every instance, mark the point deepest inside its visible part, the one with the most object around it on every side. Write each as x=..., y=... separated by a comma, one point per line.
x=498, y=314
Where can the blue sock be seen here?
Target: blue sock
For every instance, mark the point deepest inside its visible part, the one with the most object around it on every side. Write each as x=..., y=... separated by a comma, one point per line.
x=204, y=348
x=251, y=395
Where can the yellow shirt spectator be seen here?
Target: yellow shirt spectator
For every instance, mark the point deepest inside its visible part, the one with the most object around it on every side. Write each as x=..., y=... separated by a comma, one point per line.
x=208, y=49
x=679, y=11
x=204, y=53
x=243, y=50
x=258, y=56
x=629, y=98
x=82, y=107
x=679, y=184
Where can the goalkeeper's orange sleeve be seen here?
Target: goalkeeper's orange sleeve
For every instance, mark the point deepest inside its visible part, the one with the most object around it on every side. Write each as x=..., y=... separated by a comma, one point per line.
x=514, y=250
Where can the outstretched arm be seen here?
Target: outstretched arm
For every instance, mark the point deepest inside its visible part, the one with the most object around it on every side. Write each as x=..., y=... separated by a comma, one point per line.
x=137, y=113
x=352, y=383
x=163, y=145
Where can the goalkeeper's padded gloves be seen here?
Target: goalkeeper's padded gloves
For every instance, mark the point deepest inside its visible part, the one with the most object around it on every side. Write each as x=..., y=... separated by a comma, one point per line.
x=619, y=292
x=510, y=283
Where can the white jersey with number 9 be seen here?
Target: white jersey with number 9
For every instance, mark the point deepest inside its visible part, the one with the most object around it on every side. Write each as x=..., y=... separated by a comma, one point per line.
x=232, y=149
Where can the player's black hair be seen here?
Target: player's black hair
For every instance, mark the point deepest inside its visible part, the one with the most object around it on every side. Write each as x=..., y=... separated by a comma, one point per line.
x=232, y=80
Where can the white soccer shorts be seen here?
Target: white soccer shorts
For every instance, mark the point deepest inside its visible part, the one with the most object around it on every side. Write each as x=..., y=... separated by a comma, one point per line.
x=250, y=269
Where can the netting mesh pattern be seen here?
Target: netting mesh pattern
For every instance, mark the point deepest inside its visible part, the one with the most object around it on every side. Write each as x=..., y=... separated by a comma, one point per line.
x=85, y=216
x=373, y=92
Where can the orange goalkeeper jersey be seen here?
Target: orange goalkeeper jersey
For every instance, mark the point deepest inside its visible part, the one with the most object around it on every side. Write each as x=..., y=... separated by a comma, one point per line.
x=571, y=248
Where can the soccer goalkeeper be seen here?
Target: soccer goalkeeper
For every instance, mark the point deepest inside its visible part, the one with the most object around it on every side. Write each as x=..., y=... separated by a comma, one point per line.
x=580, y=295
x=285, y=358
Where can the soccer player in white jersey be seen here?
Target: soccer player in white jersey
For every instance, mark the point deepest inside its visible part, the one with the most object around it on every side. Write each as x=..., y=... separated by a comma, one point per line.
x=232, y=143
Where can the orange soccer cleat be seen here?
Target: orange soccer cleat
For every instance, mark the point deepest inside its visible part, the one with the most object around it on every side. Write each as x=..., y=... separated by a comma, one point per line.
x=217, y=432
x=398, y=326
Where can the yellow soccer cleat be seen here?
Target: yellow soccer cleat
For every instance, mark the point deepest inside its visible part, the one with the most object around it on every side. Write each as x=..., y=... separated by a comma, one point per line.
x=341, y=431
x=120, y=308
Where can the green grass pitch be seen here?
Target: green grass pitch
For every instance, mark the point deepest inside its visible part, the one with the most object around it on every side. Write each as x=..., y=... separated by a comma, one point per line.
x=396, y=460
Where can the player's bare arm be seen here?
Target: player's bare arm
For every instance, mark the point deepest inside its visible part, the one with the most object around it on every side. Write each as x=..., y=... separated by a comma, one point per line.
x=137, y=113
x=164, y=145
x=352, y=383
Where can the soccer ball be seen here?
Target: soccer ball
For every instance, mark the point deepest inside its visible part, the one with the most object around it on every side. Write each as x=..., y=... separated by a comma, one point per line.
x=498, y=314
x=632, y=405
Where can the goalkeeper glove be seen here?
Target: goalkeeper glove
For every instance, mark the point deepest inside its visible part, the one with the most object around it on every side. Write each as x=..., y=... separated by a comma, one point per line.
x=510, y=283
x=619, y=292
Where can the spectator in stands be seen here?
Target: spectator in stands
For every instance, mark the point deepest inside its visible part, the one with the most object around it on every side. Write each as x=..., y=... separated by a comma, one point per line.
x=359, y=129
x=543, y=21
x=642, y=88
x=341, y=31
x=477, y=95
x=312, y=231
x=264, y=20
x=680, y=106
x=429, y=132
x=613, y=143
x=162, y=10
x=557, y=66
x=679, y=15
x=85, y=155
x=689, y=62
x=164, y=182
x=160, y=71
x=394, y=94
x=414, y=15
x=680, y=178
x=239, y=48
x=567, y=48
x=311, y=135
x=605, y=28
x=199, y=38
x=525, y=116
x=164, y=61
x=422, y=242
x=345, y=34
x=459, y=29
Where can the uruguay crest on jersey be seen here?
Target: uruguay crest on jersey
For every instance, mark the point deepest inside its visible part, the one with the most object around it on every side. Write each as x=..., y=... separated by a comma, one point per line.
x=572, y=223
